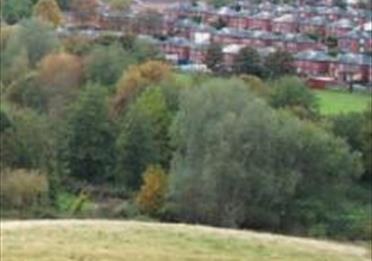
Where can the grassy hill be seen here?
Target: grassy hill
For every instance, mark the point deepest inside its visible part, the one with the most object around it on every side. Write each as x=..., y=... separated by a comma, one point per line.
x=116, y=240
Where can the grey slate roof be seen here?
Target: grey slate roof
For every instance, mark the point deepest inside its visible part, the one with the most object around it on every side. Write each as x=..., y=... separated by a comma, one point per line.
x=314, y=56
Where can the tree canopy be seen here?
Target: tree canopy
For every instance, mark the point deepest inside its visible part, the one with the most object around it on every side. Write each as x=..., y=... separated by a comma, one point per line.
x=240, y=162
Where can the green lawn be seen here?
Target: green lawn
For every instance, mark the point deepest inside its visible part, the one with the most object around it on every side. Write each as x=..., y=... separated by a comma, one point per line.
x=135, y=241
x=335, y=101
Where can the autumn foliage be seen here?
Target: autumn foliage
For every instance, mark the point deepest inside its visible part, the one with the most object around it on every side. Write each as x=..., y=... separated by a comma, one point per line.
x=48, y=11
x=152, y=194
x=138, y=78
x=60, y=76
x=21, y=188
x=61, y=70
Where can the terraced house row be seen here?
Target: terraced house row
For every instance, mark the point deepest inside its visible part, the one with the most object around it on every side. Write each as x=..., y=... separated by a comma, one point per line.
x=326, y=40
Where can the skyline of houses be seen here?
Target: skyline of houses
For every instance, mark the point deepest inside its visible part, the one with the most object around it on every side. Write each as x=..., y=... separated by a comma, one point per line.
x=325, y=40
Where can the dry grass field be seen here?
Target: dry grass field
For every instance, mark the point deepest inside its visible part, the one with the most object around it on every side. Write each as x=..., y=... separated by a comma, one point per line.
x=135, y=241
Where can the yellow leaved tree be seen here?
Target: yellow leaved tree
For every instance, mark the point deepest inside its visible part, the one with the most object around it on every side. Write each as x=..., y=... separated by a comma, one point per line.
x=48, y=11
x=152, y=193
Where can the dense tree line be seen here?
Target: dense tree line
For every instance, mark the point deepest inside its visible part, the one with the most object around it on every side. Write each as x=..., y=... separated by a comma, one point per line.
x=85, y=121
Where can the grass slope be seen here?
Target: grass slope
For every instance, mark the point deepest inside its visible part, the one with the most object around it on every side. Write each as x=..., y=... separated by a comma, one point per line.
x=335, y=101
x=133, y=241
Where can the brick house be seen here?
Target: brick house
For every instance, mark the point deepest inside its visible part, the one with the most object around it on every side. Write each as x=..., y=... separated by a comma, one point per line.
x=315, y=24
x=356, y=41
x=297, y=43
x=231, y=36
x=230, y=52
x=312, y=63
x=200, y=10
x=198, y=53
x=340, y=27
x=287, y=23
x=176, y=49
x=331, y=13
x=357, y=67
x=260, y=39
x=193, y=31
x=306, y=11
x=261, y=21
x=240, y=20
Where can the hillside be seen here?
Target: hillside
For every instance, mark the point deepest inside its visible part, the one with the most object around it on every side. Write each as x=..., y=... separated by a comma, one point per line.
x=116, y=240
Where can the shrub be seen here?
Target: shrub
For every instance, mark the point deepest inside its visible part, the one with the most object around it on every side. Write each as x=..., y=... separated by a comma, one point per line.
x=292, y=93
x=152, y=194
x=77, y=45
x=29, y=142
x=105, y=64
x=22, y=189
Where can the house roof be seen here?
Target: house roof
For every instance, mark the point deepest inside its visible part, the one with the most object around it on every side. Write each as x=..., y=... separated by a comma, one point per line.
x=297, y=38
x=179, y=41
x=232, y=48
x=313, y=56
x=343, y=23
x=366, y=27
x=187, y=23
x=316, y=20
x=227, y=11
x=287, y=18
x=264, y=15
x=233, y=32
x=357, y=59
x=357, y=34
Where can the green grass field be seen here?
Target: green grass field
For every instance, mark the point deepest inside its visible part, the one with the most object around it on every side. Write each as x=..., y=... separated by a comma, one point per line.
x=135, y=241
x=334, y=101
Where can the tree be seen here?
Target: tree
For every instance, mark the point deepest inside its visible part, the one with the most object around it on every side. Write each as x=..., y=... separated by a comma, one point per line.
x=292, y=93
x=220, y=3
x=241, y=164
x=15, y=67
x=15, y=10
x=367, y=144
x=29, y=142
x=5, y=122
x=87, y=145
x=122, y=5
x=33, y=37
x=48, y=11
x=279, y=63
x=248, y=61
x=214, y=58
x=255, y=84
x=148, y=22
x=86, y=10
x=6, y=33
x=136, y=79
x=77, y=45
x=64, y=4
x=143, y=138
x=60, y=76
x=27, y=93
x=356, y=129
x=144, y=51
x=219, y=23
x=151, y=197
x=340, y=3
x=105, y=64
